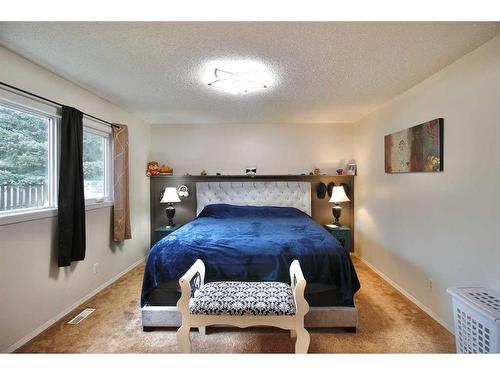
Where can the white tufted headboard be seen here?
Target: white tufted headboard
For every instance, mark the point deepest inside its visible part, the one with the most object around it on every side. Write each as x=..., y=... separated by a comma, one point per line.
x=260, y=193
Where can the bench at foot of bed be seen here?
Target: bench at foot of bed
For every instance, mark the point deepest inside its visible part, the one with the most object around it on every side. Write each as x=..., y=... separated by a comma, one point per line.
x=243, y=304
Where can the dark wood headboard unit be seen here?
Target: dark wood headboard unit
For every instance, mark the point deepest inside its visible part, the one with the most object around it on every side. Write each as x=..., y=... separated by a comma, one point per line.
x=186, y=210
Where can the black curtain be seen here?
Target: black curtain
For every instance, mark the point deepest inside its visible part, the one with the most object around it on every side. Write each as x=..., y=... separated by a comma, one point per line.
x=71, y=201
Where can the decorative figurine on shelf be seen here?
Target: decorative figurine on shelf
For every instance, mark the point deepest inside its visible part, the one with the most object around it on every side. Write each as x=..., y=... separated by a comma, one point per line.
x=166, y=169
x=153, y=169
x=203, y=173
x=316, y=171
x=340, y=171
x=251, y=171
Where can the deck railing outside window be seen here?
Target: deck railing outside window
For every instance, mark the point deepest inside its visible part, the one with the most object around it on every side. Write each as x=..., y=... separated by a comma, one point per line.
x=14, y=197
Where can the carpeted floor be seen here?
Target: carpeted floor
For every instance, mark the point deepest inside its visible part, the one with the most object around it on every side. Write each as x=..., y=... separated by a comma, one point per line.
x=388, y=323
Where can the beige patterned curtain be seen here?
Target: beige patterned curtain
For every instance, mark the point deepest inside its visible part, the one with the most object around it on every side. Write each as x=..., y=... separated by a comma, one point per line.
x=121, y=212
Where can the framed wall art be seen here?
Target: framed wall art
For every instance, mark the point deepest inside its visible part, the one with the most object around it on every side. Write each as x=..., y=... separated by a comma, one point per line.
x=416, y=149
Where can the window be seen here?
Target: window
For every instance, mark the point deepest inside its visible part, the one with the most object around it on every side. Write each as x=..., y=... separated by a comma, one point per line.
x=96, y=162
x=27, y=158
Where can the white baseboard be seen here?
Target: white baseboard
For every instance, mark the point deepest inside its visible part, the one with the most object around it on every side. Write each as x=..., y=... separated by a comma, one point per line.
x=423, y=307
x=66, y=311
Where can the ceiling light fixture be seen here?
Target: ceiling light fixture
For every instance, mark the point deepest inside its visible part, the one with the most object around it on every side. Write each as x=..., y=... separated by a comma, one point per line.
x=237, y=76
x=237, y=83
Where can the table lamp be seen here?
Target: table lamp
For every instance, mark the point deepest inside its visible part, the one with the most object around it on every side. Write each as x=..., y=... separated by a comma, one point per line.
x=170, y=196
x=338, y=196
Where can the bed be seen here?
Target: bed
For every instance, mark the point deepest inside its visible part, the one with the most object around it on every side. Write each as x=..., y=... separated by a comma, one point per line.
x=251, y=231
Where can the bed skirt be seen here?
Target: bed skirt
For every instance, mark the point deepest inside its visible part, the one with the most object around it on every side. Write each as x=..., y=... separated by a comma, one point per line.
x=325, y=317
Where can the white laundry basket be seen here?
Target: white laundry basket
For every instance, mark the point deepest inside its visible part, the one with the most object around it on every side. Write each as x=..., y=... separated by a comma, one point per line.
x=476, y=313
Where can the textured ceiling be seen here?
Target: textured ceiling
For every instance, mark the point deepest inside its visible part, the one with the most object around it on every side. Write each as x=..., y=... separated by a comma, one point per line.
x=324, y=72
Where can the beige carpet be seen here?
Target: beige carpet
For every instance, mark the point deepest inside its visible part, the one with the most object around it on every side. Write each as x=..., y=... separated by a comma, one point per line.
x=388, y=323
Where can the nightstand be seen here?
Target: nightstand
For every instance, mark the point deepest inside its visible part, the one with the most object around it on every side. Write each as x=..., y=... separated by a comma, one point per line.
x=164, y=231
x=342, y=234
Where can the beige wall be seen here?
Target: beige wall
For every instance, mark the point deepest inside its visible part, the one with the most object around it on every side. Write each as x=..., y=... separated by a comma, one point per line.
x=274, y=149
x=32, y=289
x=440, y=226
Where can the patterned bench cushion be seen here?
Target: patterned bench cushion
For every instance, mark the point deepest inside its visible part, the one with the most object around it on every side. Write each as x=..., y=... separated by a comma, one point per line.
x=243, y=298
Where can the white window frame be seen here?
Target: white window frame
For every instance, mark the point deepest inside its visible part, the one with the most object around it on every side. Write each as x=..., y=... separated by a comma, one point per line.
x=52, y=114
x=15, y=100
x=96, y=127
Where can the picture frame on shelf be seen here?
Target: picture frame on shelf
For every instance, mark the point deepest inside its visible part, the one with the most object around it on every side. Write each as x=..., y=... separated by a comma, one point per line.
x=351, y=169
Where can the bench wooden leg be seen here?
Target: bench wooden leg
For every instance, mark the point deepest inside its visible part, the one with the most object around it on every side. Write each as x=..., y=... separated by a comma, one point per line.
x=302, y=343
x=202, y=330
x=184, y=339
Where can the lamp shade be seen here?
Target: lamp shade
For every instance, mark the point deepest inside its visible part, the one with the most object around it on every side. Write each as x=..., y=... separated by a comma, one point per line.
x=170, y=195
x=338, y=195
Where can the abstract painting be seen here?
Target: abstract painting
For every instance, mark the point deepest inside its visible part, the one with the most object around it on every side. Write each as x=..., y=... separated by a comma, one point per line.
x=416, y=149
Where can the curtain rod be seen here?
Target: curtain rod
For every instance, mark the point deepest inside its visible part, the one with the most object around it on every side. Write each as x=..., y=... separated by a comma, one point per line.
x=55, y=103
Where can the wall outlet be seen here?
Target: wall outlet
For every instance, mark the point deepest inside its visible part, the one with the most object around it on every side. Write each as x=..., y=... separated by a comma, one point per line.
x=431, y=284
x=95, y=268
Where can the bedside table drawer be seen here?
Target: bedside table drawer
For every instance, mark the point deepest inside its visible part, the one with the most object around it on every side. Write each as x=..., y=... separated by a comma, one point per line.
x=163, y=231
x=344, y=241
x=341, y=234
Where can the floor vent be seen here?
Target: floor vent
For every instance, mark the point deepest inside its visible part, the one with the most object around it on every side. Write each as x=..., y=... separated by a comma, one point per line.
x=77, y=319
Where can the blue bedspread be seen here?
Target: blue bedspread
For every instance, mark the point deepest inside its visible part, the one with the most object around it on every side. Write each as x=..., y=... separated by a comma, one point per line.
x=252, y=243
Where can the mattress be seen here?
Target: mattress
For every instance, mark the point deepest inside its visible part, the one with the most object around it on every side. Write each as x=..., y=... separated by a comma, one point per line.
x=247, y=243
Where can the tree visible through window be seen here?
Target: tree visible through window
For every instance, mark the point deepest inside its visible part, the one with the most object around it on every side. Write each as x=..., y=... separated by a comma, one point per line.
x=24, y=159
x=29, y=161
x=94, y=165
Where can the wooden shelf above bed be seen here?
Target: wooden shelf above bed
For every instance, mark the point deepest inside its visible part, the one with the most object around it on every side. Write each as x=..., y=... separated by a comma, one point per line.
x=260, y=176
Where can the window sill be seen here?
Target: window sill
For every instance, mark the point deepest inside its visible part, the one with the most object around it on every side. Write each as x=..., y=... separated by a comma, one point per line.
x=96, y=206
x=20, y=217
